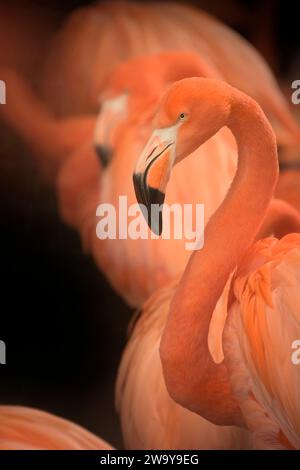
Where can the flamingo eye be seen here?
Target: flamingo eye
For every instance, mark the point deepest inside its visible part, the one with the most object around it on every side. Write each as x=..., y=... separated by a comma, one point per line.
x=182, y=116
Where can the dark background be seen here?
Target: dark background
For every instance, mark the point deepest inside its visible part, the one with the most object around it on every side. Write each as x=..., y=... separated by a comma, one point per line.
x=63, y=325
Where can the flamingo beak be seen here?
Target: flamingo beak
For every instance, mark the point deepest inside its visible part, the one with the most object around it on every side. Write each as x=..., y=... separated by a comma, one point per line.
x=152, y=174
x=112, y=113
x=103, y=153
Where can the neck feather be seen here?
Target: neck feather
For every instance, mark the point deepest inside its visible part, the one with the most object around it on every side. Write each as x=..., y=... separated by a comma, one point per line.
x=228, y=234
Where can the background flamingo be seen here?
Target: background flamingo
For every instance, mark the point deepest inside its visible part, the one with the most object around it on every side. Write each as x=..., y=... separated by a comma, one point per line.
x=29, y=429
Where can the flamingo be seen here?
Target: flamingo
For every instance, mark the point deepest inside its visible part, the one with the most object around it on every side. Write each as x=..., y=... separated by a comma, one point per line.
x=243, y=386
x=174, y=426
x=31, y=429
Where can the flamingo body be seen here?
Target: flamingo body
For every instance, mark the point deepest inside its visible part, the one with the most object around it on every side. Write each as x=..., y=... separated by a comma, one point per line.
x=262, y=325
x=29, y=429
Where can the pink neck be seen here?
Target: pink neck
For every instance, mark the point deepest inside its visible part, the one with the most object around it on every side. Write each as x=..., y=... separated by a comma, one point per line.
x=228, y=234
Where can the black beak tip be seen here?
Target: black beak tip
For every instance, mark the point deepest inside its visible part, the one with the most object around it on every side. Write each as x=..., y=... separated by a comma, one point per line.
x=151, y=201
x=138, y=184
x=157, y=199
x=104, y=154
x=156, y=224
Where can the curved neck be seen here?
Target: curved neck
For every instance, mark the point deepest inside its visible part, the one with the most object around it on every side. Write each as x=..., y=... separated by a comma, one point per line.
x=228, y=234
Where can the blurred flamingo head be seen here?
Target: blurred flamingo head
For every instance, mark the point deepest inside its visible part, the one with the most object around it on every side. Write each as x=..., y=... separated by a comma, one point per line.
x=128, y=92
x=134, y=87
x=191, y=111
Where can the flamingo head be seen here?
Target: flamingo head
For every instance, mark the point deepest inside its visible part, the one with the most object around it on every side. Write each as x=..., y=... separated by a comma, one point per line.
x=191, y=111
x=132, y=89
x=128, y=90
x=113, y=112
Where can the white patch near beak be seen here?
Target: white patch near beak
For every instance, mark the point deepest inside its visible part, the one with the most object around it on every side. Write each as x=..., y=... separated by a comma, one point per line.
x=111, y=112
x=159, y=139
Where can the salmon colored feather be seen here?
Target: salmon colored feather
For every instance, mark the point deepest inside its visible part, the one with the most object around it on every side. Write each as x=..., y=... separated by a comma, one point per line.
x=29, y=429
